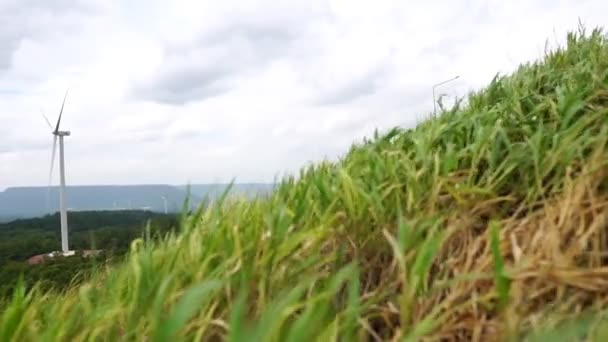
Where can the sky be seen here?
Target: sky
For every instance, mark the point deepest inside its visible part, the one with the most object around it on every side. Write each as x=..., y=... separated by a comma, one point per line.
x=179, y=91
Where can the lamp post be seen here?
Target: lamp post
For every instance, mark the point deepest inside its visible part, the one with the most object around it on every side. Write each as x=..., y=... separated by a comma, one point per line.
x=436, y=85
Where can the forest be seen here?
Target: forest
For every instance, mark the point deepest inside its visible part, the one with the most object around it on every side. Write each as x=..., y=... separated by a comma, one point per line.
x=108, y=231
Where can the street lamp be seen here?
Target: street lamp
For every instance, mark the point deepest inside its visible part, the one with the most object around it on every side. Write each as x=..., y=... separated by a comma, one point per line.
x=435, y=102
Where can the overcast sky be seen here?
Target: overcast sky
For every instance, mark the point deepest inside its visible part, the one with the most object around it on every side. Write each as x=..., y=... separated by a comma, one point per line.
x=180, y=91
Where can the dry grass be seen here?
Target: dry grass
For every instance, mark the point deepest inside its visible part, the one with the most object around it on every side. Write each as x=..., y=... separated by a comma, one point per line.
x=556, y=258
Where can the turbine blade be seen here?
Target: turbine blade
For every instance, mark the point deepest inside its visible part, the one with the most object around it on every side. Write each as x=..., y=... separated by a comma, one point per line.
x=61, y=112
x=51, y=171
x=52, y=159
x=47, y=120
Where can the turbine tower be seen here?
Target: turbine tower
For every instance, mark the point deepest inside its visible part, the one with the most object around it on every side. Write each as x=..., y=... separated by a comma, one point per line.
x=57, y=134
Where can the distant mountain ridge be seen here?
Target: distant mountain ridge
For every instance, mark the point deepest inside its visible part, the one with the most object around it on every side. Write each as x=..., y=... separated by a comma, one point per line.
x=25, y=202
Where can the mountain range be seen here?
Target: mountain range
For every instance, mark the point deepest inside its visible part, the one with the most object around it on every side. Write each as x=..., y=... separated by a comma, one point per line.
x=26, y=202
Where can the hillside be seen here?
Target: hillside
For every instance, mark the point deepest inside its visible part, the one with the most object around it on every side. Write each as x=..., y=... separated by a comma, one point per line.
x=486, y=223
x=26, y=202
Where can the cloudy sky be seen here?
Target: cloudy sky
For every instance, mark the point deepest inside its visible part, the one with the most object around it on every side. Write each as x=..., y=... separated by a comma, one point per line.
x=205, y=91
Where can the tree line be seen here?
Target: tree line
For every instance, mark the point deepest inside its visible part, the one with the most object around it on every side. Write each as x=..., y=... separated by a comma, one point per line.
x=110, y=231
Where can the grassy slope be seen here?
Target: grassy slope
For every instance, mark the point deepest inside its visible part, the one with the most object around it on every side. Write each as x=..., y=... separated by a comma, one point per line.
x=485, y=222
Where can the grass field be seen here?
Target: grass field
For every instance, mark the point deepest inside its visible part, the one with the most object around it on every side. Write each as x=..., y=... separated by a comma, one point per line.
x=489, y=222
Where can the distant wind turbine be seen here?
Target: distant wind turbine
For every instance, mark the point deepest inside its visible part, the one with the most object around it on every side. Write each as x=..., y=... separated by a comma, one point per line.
x=57, y=134
x=165, y=203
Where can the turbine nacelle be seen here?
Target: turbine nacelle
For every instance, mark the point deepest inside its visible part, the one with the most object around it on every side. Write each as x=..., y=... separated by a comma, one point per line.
x=62, y=133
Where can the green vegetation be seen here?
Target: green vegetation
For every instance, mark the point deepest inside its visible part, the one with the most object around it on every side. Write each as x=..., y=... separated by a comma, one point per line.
x=110, y=231
x=486, y=223
x=114, y=230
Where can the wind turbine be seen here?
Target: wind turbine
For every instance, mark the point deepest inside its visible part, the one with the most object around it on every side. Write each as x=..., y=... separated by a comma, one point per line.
x=165, y=203
x=57, y=134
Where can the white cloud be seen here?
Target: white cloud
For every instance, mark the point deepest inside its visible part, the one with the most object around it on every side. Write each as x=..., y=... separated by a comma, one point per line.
x=204, y=91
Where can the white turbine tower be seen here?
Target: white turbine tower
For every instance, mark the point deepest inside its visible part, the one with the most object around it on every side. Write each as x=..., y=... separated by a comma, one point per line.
x=57, y=134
